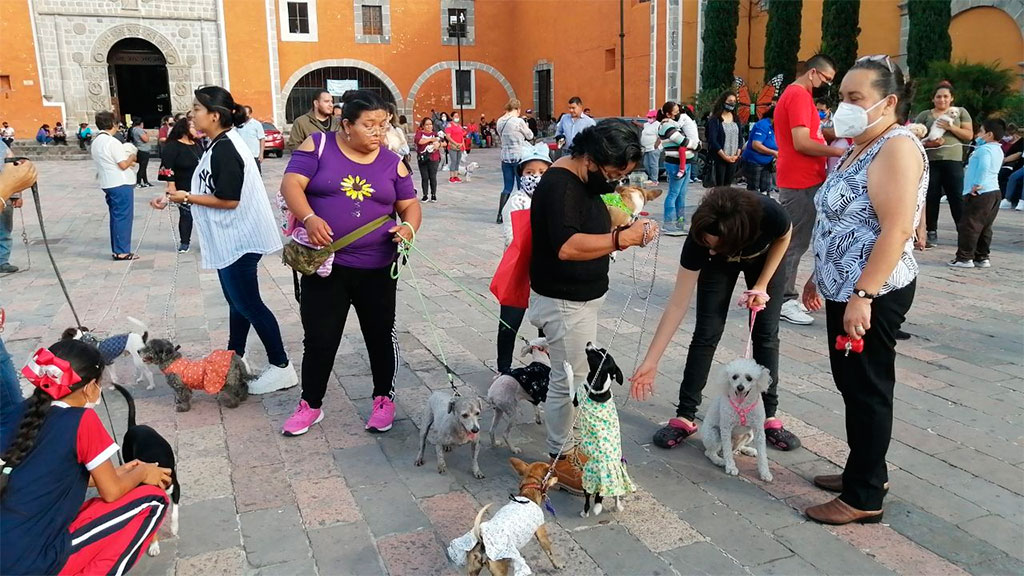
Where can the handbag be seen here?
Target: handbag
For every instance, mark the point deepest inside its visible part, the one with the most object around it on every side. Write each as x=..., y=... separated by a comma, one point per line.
x=306, y=260
x=511, y=282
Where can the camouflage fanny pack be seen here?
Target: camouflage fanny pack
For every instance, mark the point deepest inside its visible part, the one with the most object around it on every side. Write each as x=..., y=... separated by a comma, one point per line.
x=306, y=260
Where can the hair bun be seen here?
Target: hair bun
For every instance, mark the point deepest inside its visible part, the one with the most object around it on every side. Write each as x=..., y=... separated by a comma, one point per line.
x=945, y=84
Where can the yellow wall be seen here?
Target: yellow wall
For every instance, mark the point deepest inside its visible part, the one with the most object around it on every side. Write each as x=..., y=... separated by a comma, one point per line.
x=987, y=35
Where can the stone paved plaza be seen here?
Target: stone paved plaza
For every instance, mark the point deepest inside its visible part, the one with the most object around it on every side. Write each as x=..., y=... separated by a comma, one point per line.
x=341, y=501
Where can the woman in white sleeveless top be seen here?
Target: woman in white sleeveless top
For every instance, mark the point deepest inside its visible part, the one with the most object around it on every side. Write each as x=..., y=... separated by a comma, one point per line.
x=864, y=268
x=236, y=228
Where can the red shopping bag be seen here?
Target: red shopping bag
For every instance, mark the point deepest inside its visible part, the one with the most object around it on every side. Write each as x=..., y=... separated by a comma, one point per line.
x=511, y=282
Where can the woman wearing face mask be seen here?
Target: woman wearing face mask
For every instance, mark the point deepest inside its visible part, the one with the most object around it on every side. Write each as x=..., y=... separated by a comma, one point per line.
x=456, y=142
x=864, y=268
x=723, y=135
x=57, y=451
x=535, y=162
x=569, y=267
x=945, y=158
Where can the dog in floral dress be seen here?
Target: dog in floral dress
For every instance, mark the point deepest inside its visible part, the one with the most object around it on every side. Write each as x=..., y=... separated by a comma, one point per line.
x=605, y=472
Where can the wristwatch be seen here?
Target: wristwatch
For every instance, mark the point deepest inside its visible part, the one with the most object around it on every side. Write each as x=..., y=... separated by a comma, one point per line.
x=864, y=294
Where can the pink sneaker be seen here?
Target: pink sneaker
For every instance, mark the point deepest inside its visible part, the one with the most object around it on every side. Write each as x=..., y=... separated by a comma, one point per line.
x=301, y=420
x=383, y=415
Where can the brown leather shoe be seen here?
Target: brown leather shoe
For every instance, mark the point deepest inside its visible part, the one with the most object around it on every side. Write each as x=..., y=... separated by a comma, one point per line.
x=569, y=470
x=834, y=483
x=837, y=512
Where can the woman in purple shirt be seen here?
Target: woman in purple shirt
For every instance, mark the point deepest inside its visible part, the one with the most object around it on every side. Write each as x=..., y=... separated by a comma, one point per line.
x=334, y=187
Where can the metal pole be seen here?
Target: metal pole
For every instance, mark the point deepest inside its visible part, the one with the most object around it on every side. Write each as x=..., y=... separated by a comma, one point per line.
x=622, y=58
x=458, y=75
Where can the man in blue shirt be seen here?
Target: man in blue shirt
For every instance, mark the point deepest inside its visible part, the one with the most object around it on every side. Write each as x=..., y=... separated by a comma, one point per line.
x=981, y=197
x=760, y=152
x=571, y=124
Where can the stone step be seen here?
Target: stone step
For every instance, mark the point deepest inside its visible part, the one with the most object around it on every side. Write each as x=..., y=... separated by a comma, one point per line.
x=35, y=151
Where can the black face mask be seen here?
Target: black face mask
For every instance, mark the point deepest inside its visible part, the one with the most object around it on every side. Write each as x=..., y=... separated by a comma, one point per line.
x=821, y=91
x=677, y=117
x=730, y=107
x=597, y=184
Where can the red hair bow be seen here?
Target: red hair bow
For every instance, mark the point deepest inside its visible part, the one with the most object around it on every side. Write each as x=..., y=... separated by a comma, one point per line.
x=51, y=374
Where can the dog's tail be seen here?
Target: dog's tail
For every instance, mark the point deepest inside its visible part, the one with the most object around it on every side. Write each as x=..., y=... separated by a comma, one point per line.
x=476, y=523
x=131, y=403
x=142, y=328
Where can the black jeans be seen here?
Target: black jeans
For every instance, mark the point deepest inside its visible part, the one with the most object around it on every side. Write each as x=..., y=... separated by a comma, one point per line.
x=759, y=176
x=142, y=177
x=866, y=381
x=242, y=291
x=184, y=223
x=722, y=172
x=507, y=336
x=324, y=310
x=946, y=177
x=428, y=178
x=714, y=298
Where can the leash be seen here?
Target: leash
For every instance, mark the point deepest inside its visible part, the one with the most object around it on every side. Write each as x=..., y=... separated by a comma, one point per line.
x=650, y=290
x=24, y=240
x=174, y=279
x=128, y=269
x=753, y=316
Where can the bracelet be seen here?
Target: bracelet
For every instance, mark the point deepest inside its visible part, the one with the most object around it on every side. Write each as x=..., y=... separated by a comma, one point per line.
x=615, y=239
x=187, y=200
x=308, y=216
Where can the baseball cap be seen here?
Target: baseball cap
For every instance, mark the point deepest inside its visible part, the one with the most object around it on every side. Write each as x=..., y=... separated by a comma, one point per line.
x=652, y=113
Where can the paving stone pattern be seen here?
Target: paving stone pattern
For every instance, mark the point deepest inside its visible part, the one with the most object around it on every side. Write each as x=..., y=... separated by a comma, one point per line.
x=341, y=501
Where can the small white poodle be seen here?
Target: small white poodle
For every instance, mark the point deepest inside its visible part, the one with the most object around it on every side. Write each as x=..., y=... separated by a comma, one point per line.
x=937, y=132
x=736, y=417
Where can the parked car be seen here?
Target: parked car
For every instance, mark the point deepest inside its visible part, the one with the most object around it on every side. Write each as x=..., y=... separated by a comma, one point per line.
x=274, y=143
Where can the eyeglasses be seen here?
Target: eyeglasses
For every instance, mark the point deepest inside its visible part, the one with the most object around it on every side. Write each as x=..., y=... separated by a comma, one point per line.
x=877, y=58
x=825, y=79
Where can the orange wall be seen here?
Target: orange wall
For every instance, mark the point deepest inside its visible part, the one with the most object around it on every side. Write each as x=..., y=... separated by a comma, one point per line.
x=22, y=107
x=248, y=57
x=987, y=35
x=879, y=28
x=436, y=94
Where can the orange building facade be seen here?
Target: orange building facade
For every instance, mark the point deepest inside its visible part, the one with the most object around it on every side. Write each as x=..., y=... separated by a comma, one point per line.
x=66, y=59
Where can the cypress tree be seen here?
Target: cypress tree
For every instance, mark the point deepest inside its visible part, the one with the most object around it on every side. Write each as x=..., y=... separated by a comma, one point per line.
x=782, y=39
x=928, y=39
x=839, y=31
x=721, y=18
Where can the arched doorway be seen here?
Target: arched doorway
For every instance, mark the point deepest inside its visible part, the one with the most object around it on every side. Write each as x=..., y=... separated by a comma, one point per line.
x=337, y=79
x=138, y=80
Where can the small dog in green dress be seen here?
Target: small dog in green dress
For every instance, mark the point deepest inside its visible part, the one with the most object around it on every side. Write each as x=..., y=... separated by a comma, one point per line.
x=605, y=472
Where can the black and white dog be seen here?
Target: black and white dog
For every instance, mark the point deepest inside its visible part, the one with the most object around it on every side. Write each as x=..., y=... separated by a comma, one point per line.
x=116, y=346
x=143, y=443
x=529, y=383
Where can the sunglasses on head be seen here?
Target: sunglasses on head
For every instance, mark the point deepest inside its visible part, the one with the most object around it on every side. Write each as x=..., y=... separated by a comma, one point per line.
x=877, y=58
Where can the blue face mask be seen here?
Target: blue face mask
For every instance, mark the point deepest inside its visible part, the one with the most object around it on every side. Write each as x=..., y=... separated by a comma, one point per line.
x=980, y=141
x=822, y=114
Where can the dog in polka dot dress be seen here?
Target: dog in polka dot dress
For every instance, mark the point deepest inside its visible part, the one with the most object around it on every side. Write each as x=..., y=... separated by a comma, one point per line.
x=223, y=373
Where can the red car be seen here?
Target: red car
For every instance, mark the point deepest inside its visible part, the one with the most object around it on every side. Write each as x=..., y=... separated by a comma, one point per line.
x=274, y=144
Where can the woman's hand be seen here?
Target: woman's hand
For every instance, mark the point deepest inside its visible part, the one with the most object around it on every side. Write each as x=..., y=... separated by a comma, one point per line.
x=932, y=143
x=757, y=301
x=319, y=232
x=634, y=235
x=177, y=196
x=155, y=475
x=642, y=382
x=942, y=123
x=919, y=238
x=857, y=319
x=811, y=299
x=159, y=203
x=402, y=233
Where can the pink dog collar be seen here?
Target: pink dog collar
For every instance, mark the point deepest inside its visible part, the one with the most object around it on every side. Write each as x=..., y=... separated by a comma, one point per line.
x=742, y=411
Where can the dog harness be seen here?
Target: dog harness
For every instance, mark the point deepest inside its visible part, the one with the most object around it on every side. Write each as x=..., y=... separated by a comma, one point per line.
x=605, y=471
x=533, y=379
x=208, y=374
x=741, y=410
x=510, y=529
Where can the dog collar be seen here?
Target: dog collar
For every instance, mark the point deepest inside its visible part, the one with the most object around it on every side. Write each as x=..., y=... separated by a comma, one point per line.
x=533, y=485
x=741, y=410
x=615, y=200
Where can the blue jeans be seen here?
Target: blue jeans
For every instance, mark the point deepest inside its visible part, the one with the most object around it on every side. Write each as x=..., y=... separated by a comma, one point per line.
x=6, y=226
x=121, y=204
x=1014, y=190
x=10, y=397
x=242, y=291
x=651, y=164
x=509, y=176
x=675, y=200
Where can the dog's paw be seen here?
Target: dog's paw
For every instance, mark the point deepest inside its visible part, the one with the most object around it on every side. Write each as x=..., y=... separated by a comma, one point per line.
x=447, y=448
x=151, y=387
x=749, y=451
x=732, y=470
x=442, y=468
x=419, y=462
x=182, y=407
x=584, y=514
x=478, y=474
x=154, y=549
x=618, y=505
x=598, y=508
x=767, y=477
x=515, y=449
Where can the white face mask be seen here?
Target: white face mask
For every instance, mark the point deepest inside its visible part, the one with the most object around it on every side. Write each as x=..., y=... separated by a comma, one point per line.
x=528, y=183
x=99, y=400
x=851, y=120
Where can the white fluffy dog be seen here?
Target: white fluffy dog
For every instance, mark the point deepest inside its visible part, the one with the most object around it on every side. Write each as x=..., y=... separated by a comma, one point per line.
x=936, y=132
x=736, y=417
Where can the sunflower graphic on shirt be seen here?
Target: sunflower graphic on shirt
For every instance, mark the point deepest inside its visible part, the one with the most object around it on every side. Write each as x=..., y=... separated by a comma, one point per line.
x=356, y=188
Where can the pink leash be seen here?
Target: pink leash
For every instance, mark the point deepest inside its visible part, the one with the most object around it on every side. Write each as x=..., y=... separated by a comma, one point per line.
x=753, y=316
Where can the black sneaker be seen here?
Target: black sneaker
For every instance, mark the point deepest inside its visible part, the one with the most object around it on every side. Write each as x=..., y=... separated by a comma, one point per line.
x=183, y=248
x=901, y=335
x=8, y=268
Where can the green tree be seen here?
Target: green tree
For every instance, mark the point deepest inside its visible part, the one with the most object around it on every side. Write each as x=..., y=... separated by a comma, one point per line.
x=839, y=30
x=721, y=18
x=928, y=40
x=982, y=89
x=782, y=39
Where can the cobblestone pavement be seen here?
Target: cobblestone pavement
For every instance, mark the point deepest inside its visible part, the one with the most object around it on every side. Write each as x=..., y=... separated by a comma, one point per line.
x=340, y=501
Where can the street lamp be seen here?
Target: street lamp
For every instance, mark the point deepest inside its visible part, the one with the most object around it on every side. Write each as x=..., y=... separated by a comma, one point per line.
x=457, y=30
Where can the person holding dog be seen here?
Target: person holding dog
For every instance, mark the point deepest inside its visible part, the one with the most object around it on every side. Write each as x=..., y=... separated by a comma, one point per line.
x=569, y=269
x=945, y=158
x=339, y=184
x=733, y=231
x=864, y=267
x=57, y=451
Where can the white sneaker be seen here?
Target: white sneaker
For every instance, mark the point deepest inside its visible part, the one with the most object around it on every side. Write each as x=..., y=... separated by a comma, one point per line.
x=961, y=264
x=793, y=313
x=984, y=263
x=1020, y=206
x=1005, y=204
x=273, y=379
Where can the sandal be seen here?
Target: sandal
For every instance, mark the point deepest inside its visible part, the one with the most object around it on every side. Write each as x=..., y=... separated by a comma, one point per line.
x=779, y=437
x=123, y=257
x=674, y=434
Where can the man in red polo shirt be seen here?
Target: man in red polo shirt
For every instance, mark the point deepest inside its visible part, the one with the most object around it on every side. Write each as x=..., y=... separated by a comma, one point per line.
x=801, y=168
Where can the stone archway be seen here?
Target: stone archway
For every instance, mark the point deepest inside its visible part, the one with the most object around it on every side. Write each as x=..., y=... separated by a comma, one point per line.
x=454, y=65
x=1015, y=8
x=338, y=63
x=96, y=74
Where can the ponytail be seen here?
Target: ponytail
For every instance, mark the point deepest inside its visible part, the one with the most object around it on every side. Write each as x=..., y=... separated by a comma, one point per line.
x=219, y=100
x=36, y=408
